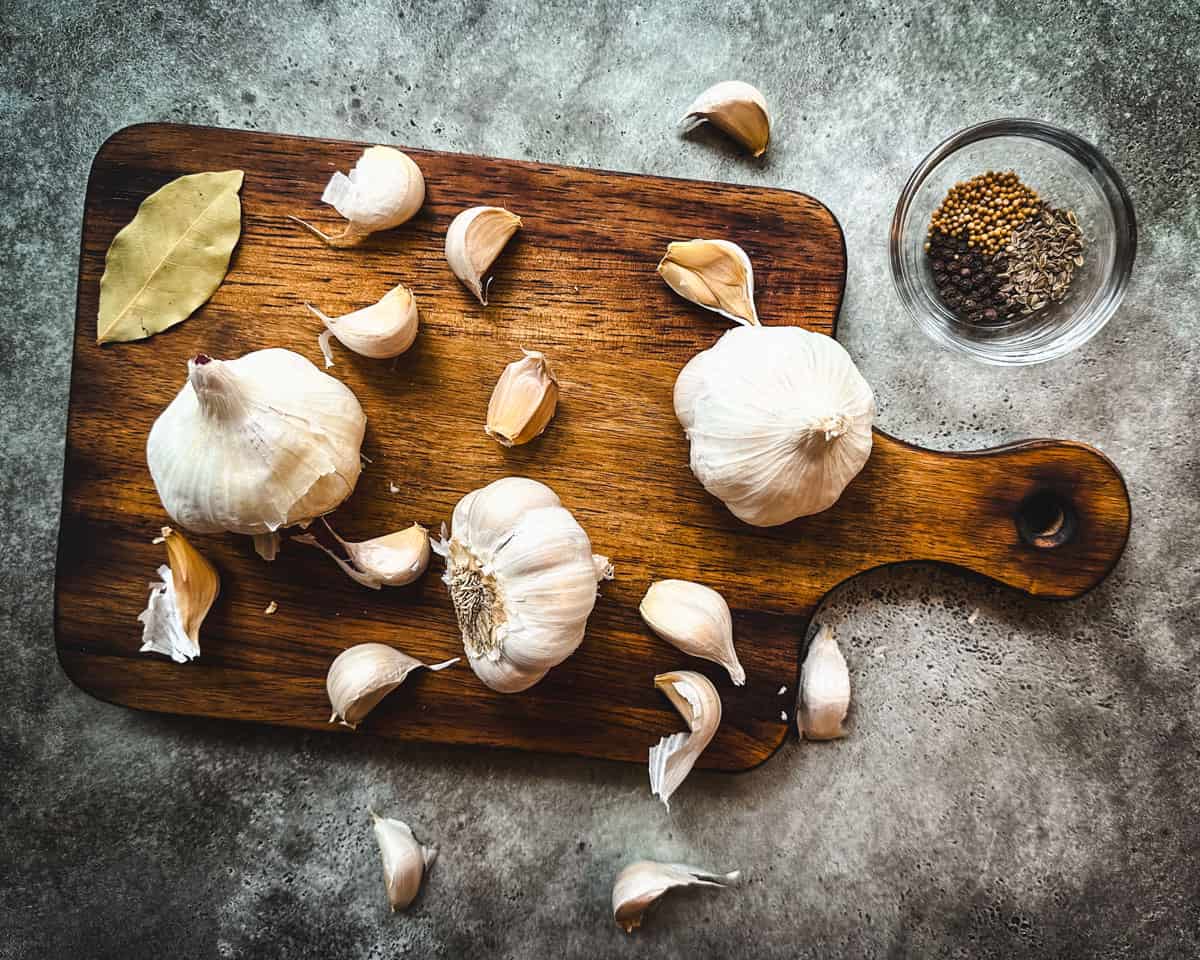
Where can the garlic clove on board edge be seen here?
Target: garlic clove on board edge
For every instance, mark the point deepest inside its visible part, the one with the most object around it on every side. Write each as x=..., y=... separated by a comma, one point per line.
x=364, y=674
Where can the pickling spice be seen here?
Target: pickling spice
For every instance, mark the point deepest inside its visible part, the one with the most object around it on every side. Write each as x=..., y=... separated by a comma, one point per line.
x=999, y=251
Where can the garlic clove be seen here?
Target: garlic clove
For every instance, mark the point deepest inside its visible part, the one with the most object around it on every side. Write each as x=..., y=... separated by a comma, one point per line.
x=715, y=274
x=523, y=400
x=696, y=699
x=180, y=602
x=404, y=860
x=474, y=241
x=393, y=560
x=381, y=331
x=824, y=689
x=640, y=885
x=384, y=189
x=695, y=619
x=362, y=675
x=736, y=108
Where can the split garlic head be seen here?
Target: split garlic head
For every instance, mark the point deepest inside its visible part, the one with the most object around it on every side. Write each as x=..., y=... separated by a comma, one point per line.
x=522, y=578
x=255, y=444
x=779, y=421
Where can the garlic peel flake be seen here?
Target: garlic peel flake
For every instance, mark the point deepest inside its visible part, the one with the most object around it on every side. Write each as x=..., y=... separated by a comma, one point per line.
x=737, y=109
x=824, y=689
x=179, y=603
x=695, y=619
x=714, y=274
x=393, y=560
x=362, y=675
x=474, y=241
x=381, y=331
x=639, y=885
x=672, y=759
x=523, y=401
x=404, y=859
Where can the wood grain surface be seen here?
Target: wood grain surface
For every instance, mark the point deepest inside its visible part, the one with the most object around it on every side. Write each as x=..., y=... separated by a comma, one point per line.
x=578, y=283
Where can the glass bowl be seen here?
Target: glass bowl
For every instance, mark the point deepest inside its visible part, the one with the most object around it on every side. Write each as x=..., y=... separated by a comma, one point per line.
x=1068, y=173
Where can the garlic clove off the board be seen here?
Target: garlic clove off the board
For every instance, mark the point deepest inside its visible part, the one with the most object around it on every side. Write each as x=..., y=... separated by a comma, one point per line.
x=474, y=241
x=256, y=444
x=180, y=602
x=393, y=560
x=695, y=619
x=824, y=689
x=384, y=189
x=639, y=886
x=381, y=331
x=364, y=674
x=672, y=759
x=778, y=419
x=714, y=274
x=523, y=401
x=522, y=578
x=404, y=860
x=737, y=109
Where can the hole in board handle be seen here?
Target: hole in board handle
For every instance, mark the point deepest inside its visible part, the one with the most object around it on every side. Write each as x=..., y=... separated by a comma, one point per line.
x=1046, y=520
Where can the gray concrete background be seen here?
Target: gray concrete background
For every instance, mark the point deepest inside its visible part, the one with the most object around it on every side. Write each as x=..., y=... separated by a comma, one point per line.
x=1026, y=786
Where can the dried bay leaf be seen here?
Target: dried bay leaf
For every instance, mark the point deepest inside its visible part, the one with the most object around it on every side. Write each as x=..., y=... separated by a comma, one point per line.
x=171, y=257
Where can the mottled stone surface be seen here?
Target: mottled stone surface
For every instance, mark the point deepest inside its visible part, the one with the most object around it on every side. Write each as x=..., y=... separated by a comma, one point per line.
x=1028, y=785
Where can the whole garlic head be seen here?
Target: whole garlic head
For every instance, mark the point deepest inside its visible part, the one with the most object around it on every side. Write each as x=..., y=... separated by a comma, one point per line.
x=255, y=444
x=779, y=421
x=522, y=578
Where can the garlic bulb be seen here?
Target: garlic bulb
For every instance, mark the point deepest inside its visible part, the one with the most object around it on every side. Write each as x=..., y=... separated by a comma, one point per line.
x=364, y=674
x=523, y=401
x=639, y=886
x=824, y=689
x=393, y=560
x=384, y=190
x=255, y=444
x=474, y=241
x=737, y=109
x=715, y=274
x=179, y=604
x=381, y=331
x=522, y=578
x=779, y=421
x=695, y=619
x=404, y=860
x=696, y=699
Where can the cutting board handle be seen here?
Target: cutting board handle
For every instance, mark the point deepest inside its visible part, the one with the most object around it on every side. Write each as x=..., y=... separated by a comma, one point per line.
x=1049, y=517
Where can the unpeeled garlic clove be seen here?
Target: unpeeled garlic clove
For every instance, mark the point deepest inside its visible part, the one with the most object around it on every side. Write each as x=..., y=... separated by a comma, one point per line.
x=179, y=603
x=363, y=675
x=404, y=860
x=696, y=699
x=736, y=108
x=381, y=331
x=715, y=274
x=640, y=884
x=824, y=689
x=695, y=619
x=384, y=190
x=393, y=560
x=474, y=241
x=523, y=400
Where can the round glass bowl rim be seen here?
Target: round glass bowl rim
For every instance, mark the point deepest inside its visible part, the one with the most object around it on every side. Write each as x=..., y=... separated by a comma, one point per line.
x=1112, y=187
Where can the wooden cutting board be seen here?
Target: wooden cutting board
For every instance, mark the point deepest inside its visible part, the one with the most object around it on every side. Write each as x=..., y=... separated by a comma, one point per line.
x=578, y=283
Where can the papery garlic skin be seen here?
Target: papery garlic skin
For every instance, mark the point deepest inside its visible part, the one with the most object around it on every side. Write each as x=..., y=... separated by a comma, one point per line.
x=695, y=619
x=381, y=331
x=824, y=689
x=404, y=860
x=255, y=444
x=779, y=421
x=639, y=886
x=523, y=401
x=384, y=189
x=179, y=603
x=522, y=578
x=715, y=274
x=738, y=109
x=393, y=560
x=474, y=241
x=673, y=757
x=364, y=674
